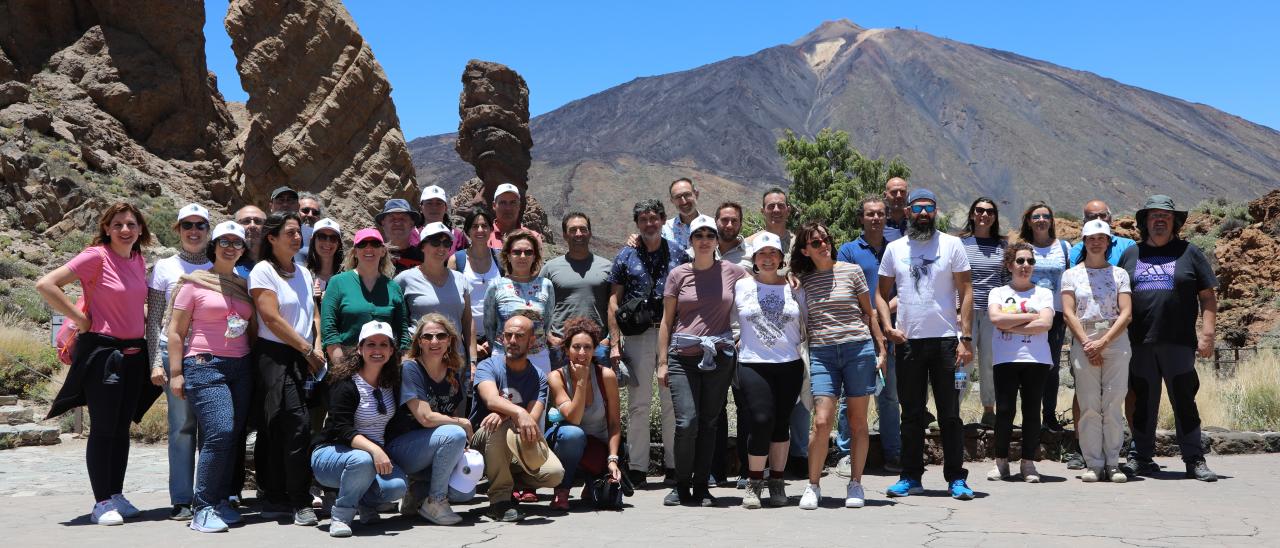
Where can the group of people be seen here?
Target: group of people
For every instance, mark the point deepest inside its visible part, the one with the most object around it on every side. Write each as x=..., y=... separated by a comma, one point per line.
x=422, y=357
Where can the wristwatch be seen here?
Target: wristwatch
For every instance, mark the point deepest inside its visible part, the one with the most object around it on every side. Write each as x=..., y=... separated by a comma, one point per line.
x=966, y=338
x=613, y=458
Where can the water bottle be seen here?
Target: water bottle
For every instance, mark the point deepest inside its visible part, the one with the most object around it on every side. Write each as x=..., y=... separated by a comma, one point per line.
x=962, y=380
x=554, y=416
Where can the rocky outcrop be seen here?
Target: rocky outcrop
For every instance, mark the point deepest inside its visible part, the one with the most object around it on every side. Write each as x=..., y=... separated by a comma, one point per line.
x=1248, y=283
x=330, y=127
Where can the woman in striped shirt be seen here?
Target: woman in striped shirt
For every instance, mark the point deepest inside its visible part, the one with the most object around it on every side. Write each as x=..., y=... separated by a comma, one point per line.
x=984, y=245
x=843, y=347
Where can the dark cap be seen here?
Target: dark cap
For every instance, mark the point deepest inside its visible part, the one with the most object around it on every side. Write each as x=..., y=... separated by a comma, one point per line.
x=281, y=190
x=921, y=194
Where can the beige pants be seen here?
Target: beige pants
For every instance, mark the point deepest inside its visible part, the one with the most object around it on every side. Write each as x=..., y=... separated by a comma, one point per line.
x=502, y=469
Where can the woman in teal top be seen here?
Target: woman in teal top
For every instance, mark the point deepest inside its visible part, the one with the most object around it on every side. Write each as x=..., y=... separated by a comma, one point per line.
x=363, y=293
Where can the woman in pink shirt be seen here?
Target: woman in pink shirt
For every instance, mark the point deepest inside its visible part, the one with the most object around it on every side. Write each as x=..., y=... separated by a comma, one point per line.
x=213, y=311
x=109, y=372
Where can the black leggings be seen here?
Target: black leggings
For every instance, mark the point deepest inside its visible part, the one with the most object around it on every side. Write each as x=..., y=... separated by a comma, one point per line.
x=768, y=394
x=1012, y=377
x=111, y=408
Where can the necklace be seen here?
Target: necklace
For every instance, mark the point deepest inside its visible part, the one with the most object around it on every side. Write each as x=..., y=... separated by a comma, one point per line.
x=193, y=258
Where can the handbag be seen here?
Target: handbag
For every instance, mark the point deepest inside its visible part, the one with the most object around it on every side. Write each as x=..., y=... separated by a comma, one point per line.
x=65, y=340
x=638, y=314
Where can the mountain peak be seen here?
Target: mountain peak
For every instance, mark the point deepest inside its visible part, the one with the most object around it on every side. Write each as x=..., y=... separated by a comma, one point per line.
x=839, y=28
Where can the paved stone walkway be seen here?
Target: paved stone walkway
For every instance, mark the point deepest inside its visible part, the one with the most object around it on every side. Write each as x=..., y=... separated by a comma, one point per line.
x=45, y=497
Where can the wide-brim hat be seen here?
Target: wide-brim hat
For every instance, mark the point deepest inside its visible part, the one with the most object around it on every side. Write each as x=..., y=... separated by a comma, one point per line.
x=531, y=456
x=398, y=205
x=1162, y=202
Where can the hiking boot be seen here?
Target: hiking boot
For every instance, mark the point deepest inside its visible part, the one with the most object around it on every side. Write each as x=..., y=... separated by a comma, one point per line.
x=126, y=508
x=305, y=517
x=505, y=511
x=751, y=497
x=1144, y=467
x=777, y=492
x=1029, y=473
x=180, y=512
x=1198, y=469
x=854, y=497
x=1075, y=461
x=1000, y=471
x=904, y=487
x=844, y=468
x=960, y=490
x=1091, y=475
x=811, y=497
x=105, y=513
x=206, y=520
x=438, y=512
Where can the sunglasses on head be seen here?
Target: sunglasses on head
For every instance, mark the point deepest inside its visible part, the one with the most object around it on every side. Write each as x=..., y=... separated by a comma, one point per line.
x=322, y=237
x=979, y=210
x=252, y=221
x=198, y=225
x=522, y=253
x=440, y=241
x=369, y=243
x=441, y=336
x=923, y=208
x=225, y=243
x=1025, y=260
x=310, y=211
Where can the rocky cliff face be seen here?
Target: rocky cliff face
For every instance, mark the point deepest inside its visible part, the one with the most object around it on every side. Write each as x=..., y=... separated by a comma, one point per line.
x=1248, y=279
x=329, y=127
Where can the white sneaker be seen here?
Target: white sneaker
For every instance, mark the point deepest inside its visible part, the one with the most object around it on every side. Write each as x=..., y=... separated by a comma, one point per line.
x=1090, y=475
x=126, y=508
x=339, y=529
x=1029, y=473
x=854, y=497
x=1117, y=476
x=438, y=512
x=844, y=468
x=809, y=500
x=105, y=513
x=1001, y=470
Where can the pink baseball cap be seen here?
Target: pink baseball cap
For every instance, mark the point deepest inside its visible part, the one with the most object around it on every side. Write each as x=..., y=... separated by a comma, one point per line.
x=367, y=234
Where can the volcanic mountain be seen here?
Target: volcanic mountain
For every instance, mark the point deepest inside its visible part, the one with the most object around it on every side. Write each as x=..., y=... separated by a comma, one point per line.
x=968, y=120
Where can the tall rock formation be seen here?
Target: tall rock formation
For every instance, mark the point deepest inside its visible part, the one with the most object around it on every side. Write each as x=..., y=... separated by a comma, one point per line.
x=330, y=126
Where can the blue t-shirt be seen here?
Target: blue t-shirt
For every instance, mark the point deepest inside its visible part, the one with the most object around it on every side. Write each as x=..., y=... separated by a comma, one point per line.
x=1118, y=245
x=861, y=253
x=521, y=388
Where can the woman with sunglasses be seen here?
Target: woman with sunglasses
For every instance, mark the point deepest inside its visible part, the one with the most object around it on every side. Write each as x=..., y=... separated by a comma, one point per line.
x=433, y=287
x=984, y=245
x=212, y=310
x=324, y=258
x=362, y=293
x=479, y=267
x=192, y=228
x=350, y=453
x=697, y=357
x=1038, y=229
x=844, y=344
x=522, y=289
x=429, y=433
x=1021, y=314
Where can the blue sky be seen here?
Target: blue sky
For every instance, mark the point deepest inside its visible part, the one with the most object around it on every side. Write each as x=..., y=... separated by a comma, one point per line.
x=1224, y=54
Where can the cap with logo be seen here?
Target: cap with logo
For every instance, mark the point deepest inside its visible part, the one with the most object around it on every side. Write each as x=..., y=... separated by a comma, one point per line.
x=1096, y=226
x=193, y=210
x=433, y=192
x=327, y=224
x=227, y=228
x=376, y=328
x=505, y=188
x=701, y=222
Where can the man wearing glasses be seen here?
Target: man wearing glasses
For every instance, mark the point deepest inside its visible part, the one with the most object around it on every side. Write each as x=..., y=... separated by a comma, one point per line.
x=252, y=219
x=1097, y=209
x=685, y=198
x=309, y=210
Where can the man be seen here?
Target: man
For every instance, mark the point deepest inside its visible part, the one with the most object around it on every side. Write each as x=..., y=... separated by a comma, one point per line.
x=776, y=212
x=1173, y=285
x=284, y=200
x=506, y=214
x=310, y=210
x=1098, y=209
x=581, y=281
x=397, y=222
x=931, y=273
x=732, y=246
x=640, y=272
x=252, y=219
x=895, y=197
x=510, y=396
x=866, y=252
x=685, y=198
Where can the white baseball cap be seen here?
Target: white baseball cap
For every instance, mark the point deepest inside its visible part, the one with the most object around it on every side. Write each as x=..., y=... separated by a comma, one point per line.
x=432, y=229
x=1096, y=226
x=227, y=227
x=196, y=210
x=766, y=239
x=505, y=188
x=703, y=221
x=433, y=192
x=327, y=224
x=376, y=328
x=468, y=471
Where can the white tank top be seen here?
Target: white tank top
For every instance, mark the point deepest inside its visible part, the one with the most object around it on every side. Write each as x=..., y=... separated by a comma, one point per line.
x=479, y=285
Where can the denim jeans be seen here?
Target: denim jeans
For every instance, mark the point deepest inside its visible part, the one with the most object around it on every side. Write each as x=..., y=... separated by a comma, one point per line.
x=568, y=442
x=182, y=440
x=351, y=472
x=219, y=389
x=887, y=409
x=698, y=397
x=436, y=449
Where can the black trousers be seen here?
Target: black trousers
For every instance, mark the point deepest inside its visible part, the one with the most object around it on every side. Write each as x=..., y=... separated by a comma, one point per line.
x=1012, y=378
x=767, y=392
x=1049, y=392
x=282, y=454
x=922, y=363
x=1175, y=365
x=699, y=398
x=111, y=408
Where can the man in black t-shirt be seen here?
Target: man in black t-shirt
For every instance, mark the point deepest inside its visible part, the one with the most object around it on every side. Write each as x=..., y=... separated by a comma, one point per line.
x=1173, y=285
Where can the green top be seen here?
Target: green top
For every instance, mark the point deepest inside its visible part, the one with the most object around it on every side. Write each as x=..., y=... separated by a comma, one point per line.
x=347, y=306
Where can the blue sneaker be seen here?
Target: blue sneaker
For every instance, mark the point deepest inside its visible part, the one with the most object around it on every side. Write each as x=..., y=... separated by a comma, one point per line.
x=228, y=513
x=960, y=490
x=904, y=487
x=207, y=521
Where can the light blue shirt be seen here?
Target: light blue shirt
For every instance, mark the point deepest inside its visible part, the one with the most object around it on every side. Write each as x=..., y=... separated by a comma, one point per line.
x=1118, y=245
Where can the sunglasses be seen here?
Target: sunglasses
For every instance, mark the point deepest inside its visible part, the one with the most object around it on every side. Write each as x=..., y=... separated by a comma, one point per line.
x=369, y=243
x=198, y=225
x=434, y=336
x=309, y=211
x=377, y=397
x=1103, y=215
x=984, y=210
x=252, y=221
x=443, y=241
x=923, y=208
x=1024, y=260
x=818, y=242
x=326, y=237
x=522, y=253
x=1042, y=217
x=703, y=236
x=225, y=243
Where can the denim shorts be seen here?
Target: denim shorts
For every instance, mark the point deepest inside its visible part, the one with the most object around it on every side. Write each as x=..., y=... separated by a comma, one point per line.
x=848, y=368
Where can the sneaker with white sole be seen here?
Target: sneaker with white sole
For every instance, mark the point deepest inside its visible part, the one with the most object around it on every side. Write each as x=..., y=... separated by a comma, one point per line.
x=1029, y=473
x=207, y=520
x=844, y=468
x=751, y=496
x=812, y=495
x=339, y=529
x=854, y=496
x=126, y=508
x=305, y=517
x=1116, y=475
x=438, y=512
x=1091, y=475
x=105, y=513
x=1000, y=471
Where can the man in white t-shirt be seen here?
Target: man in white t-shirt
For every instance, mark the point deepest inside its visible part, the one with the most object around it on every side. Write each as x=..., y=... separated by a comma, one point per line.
x=930, y=271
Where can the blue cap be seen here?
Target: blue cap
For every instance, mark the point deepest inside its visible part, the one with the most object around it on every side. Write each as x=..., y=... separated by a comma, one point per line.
x=921, y=194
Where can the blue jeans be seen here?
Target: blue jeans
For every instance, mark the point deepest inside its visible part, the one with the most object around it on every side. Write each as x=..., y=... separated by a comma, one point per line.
x=219, y=389
x=568, y=442
x=888, y=410
x=437, y=449
x=182, y=441
x=351, y=472
x=799, y=431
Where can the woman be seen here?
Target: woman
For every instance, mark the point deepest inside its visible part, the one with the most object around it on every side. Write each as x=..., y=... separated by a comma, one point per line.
x=589, y=435
x=192, y=227
x=1021, y=314
x=698, y=364
x=212, y=310
x=324, y=258
x=431, y=430
x=843, y=347
x=479, y=267
x=433, y=287
x=434, y=206
x=285, y=356
x=109, y=370
x=984, y=245
x=1051, y=261
x=1097, y=304
x=771, y=315
x=522, y=289
x=350, y=452
x=364, y=292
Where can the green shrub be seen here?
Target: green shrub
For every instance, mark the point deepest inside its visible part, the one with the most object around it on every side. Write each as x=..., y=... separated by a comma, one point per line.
x=26, y=363
x=74, y=242
x=25, y=303
x=154, y=426
x=14, y=267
